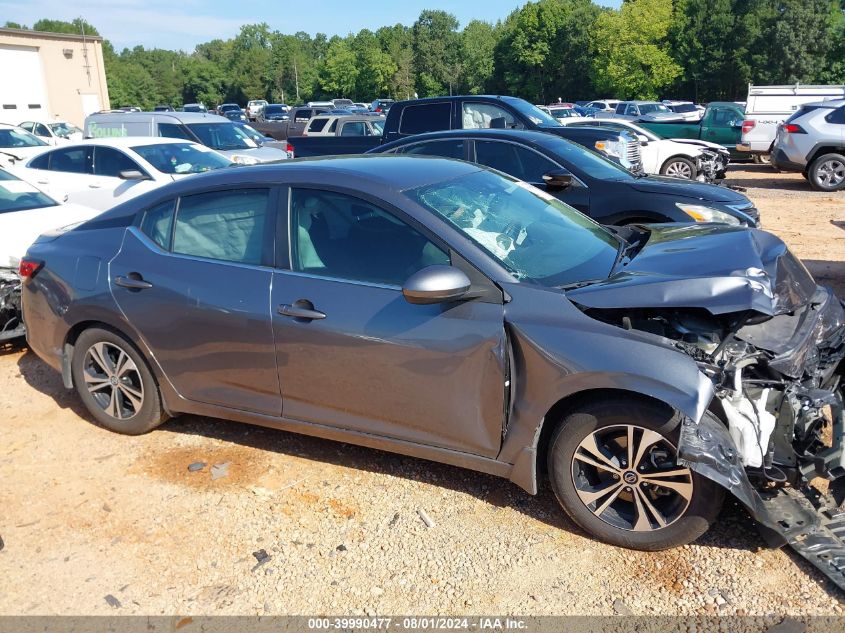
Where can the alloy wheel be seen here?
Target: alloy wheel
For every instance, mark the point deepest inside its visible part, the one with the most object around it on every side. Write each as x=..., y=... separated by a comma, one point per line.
x=679, y=169
x=831, y=173
x=113, y=380
x=628, y=477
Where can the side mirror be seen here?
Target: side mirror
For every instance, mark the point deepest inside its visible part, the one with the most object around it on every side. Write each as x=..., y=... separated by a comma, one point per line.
x=557, y=179
x=133, y=174
x=436, y=284
x=643, y=139
x=498, y=123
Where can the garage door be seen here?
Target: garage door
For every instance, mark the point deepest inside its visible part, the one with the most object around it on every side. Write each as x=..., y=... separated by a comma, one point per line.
x=23, y=93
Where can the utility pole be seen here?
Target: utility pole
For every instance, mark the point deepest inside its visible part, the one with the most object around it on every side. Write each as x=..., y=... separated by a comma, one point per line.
x=296, y=79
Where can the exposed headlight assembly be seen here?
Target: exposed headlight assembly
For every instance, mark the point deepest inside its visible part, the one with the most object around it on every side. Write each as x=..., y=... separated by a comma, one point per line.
x=700, y=213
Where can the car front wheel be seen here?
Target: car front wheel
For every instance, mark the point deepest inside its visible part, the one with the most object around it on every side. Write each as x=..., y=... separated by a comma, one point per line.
x=613, y=467
x=115, y=384
x=827, y=173
x=679, y=167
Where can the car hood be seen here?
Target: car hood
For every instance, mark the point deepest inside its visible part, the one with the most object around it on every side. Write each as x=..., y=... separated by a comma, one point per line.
x=687, y=189
x=716, y=267
x=261, y=154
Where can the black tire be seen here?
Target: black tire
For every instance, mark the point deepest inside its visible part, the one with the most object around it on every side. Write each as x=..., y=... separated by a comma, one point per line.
x=827, y=172
x=686, y=516
x=763, y=159
x=111, y=394
x=679, y=167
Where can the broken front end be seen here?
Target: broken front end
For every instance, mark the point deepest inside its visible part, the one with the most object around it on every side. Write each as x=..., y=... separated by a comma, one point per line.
x=11, y=320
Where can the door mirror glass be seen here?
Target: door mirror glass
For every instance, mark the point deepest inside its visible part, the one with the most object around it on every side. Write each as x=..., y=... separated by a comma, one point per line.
x=133, y=174
x=436, y=284
x=557, y=179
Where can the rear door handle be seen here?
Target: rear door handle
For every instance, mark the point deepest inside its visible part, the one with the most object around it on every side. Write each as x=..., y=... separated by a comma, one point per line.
x=132, y=284
x=304, y=310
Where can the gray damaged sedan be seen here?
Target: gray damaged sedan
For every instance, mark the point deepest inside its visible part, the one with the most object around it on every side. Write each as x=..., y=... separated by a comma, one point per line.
x=441, y=310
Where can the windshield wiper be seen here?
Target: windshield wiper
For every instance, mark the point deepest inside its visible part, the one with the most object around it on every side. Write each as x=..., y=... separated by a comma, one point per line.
x=580, y=284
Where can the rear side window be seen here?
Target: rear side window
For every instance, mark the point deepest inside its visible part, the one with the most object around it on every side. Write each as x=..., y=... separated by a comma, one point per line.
x=158, y=223
x=444, y=149
x=354, y=128
x=317, y=125
x=225, y=225
x=428, y=117
x=302, y=116
x=171, y=130
x=40, y=162
x=837, y=116
x=73, y=160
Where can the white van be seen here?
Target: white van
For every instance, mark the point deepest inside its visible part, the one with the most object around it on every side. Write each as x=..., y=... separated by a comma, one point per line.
x=213, y=131
x=769, y=106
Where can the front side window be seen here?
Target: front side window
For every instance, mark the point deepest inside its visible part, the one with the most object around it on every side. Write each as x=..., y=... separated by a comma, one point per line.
x=444, y=149
x=339, y=236
x=530, y=233
x=426, y=117
x=486, y=115
x=181, y=158
x=354, y=128
x=225, y=225
x=519, y=162
x=110, y=162
x=171, y=130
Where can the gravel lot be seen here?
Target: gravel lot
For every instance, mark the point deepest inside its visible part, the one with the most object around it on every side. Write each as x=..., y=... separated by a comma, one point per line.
x=96, y=523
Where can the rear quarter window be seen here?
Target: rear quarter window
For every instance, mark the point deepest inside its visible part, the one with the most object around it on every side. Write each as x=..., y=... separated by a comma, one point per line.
x=427, y=117
x=837, y=116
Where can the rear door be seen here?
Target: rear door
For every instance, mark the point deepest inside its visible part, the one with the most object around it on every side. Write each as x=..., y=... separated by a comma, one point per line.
x=194, y=281
x=67, y=171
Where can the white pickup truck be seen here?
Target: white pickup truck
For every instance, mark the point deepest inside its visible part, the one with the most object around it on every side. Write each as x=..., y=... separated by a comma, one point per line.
x=769, y=106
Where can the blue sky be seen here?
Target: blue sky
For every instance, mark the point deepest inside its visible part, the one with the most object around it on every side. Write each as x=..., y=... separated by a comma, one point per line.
x=182, y=24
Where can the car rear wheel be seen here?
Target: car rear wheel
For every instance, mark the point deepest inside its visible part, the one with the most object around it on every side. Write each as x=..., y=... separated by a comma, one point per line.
x=613, y=467
x=763, y=159
x=115, y=384
x=679, y=167
x=827, y=173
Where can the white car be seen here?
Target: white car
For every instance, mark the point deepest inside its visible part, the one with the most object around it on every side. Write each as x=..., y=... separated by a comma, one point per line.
x=101, y=173
x=53, y=132
x=26, y=212
x=679, y=158
x=254, y=108
x=686, y=110
x=17, y=145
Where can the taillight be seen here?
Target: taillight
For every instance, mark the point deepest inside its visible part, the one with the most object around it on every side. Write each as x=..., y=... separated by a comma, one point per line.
x=791, y=128
x=378, y=109
x=289, y=150
x=748, y=125
x=28, y=267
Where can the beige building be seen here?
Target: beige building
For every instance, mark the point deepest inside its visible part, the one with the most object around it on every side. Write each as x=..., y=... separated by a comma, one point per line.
x=49, y=76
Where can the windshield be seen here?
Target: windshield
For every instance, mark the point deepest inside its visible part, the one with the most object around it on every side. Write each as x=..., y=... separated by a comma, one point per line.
x=578, y=159
x=535, y=236
x=533, y=113
x=251, y=132
x=181, y=158
x=648, y=108
x=10, y=137
x=273, y=109
x=18, y=195
x=223, y=136
x=63, y=129
x=684, y=107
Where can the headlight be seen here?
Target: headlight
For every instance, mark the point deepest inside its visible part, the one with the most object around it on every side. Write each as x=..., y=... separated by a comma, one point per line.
x=244, y=160
x=701, y=213
x=611, y=148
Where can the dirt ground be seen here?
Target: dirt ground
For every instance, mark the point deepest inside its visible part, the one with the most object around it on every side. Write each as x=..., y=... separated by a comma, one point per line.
x=97, y=523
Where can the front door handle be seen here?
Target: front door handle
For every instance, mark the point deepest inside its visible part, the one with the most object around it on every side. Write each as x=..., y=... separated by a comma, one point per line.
x=133, y=282
x=94, y=185
x=302, y=309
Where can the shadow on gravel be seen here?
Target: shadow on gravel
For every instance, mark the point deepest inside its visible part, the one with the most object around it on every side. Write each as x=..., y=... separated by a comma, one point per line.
x=13, y=346
x=828, y=274
x=765, y=177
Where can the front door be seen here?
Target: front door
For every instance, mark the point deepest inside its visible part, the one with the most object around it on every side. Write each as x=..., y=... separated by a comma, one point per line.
x=353, y=354
x=193, y=281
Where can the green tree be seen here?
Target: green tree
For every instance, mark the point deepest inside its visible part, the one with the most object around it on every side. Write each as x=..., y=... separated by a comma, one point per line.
x=436, y=53
x=478, y=41
x=75, y=27
x=249, y=66
x=631, y=58
x=340, y=70
x=376, y=66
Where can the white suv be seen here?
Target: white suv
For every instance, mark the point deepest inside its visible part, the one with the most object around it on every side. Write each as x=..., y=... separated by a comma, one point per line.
x=254, y=108
x=812, y=141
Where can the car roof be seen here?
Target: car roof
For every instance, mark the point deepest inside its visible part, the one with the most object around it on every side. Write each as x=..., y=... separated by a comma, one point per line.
x=125, y=141
x=525, y=136
x=183, y=117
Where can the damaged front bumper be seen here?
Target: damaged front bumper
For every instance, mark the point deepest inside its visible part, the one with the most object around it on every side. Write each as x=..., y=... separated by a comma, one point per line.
x=805, y=519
